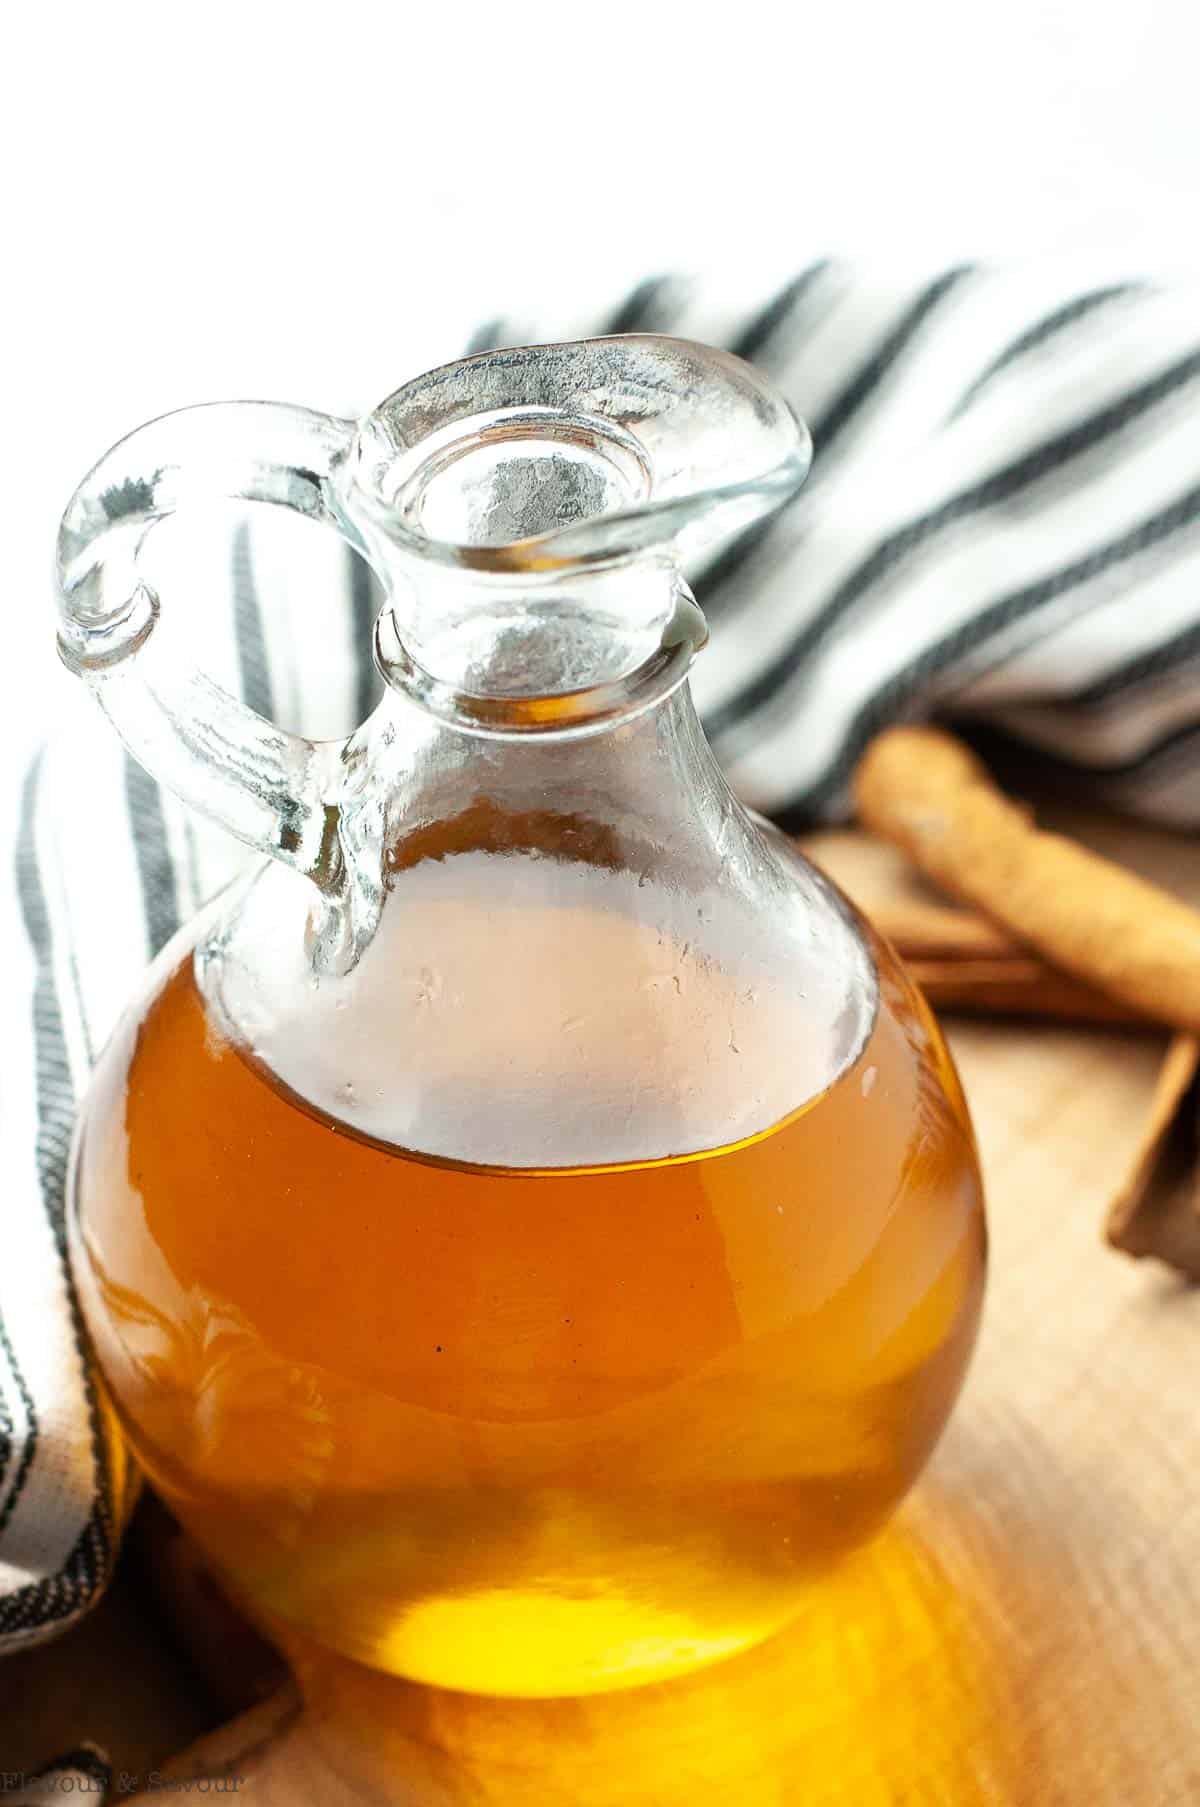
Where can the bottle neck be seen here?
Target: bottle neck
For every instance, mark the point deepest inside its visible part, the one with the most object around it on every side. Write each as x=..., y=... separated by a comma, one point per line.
x=636, y=788
x=534, y=654
x=635, y=769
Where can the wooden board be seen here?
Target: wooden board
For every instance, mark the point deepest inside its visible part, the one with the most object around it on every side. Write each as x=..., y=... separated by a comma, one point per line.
x=1028, y=1632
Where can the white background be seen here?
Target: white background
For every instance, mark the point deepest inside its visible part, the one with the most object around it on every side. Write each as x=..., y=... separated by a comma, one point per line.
x=311, y=203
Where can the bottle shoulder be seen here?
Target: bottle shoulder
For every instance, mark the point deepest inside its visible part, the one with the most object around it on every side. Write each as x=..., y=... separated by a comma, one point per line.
x=524, y=1010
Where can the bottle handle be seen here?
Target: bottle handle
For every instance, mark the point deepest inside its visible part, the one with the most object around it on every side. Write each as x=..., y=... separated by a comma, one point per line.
x=272, y=789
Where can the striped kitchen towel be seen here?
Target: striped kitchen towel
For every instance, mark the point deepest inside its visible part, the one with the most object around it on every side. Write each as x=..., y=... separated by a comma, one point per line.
x=1002, y=526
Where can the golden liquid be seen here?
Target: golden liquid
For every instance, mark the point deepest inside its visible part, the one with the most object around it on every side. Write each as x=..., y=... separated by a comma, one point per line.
x=516, y=1433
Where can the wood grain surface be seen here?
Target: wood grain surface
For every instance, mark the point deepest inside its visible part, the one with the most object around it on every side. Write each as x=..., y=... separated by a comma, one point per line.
x=1026, y=1634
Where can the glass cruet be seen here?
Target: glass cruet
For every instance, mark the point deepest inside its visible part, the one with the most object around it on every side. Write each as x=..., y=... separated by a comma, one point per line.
x=529, y=1225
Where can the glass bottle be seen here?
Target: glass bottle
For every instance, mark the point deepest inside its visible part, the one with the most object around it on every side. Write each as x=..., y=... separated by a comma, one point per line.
x=530, y=1226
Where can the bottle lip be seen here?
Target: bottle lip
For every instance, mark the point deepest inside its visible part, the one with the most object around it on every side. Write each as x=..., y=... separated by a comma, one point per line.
x=684, y=445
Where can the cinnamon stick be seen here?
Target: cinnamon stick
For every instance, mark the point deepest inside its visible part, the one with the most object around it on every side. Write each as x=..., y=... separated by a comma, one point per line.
x=937, y=932
x=1016, y=987
x=963, y=962
x=924, y=790
x=1156, y=1210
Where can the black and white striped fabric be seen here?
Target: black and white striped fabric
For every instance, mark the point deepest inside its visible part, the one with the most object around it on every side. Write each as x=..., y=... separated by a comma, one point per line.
x=1003, y=526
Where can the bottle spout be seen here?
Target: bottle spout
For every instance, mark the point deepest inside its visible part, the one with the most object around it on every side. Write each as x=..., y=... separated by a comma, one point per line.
x=530, y=510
